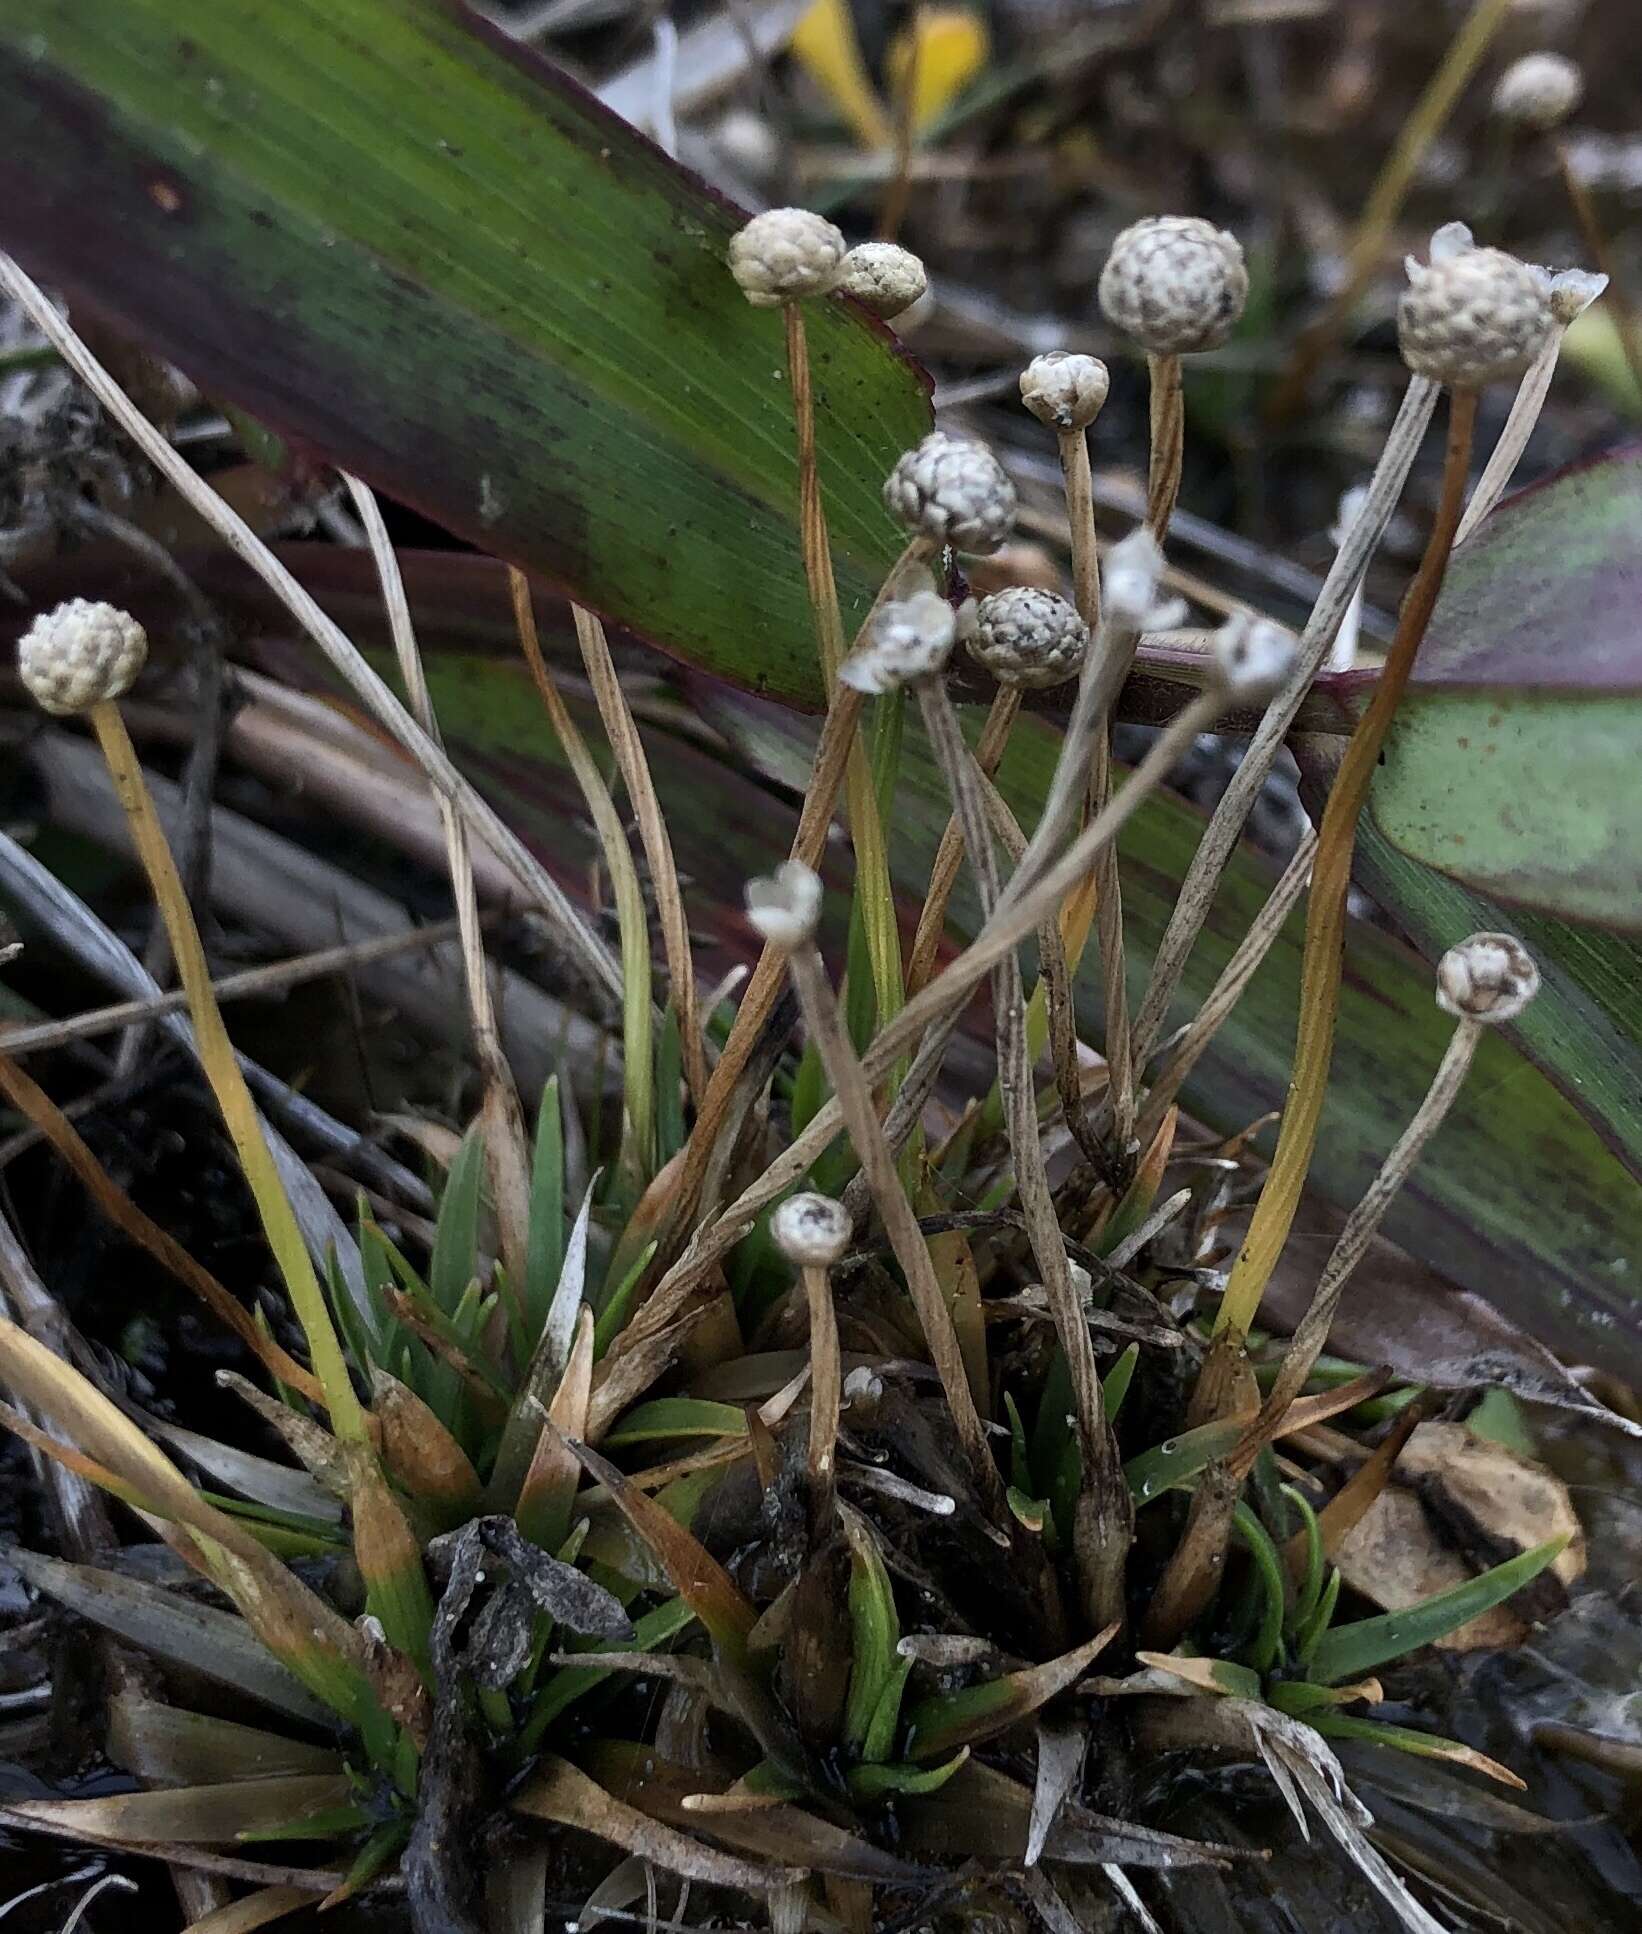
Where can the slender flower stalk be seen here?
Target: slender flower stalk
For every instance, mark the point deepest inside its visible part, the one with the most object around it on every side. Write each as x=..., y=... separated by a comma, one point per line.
x=784, y=911
x=1325, y=914
x=80, y=658
x=1166, y=410
x=813, y=1232
x=1226, y=823
x=1484, y=982
x=1572, y=293
x=1194, y=1039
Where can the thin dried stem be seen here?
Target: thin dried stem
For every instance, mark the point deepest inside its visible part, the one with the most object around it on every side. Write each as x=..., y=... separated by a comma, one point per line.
x=1352, y=1245
x=1168, y=442
x=854, y=1097
x=1513, y=438
x=27, y=1096
x=623, y=733
x=1080, y=524
x=839, y=736
x=1207, y=1022
x=506, y=1155
x=826, y=1396
x=1225, y=825
x=1326, y=907
x=943, y=873
x=582, y=945
x=1104, y=1509
x=272, y=979
x=638, y=1064
x=876, y=894
x=928, y=1019
x=227, y=1082
x=1595, y=238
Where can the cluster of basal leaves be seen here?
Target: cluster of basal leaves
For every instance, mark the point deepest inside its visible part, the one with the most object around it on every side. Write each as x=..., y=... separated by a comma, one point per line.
x=505, y=1593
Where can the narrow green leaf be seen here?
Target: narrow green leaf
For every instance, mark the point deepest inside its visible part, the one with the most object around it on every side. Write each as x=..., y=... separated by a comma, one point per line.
x=544, y=1249
x=1351, y=1650
x=573, y=1682
x=455, y=1259
x=944, y=1721
x=1262, y=1649
x=875, y=1631
x=678, y=1417
x=1311, y=1585
x=882, y=1782
x=1403, y=1739
x=1178, y=1459
x=1115, y=1384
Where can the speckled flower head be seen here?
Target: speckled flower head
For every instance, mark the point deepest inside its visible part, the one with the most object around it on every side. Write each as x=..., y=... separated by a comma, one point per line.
x=1472, y=315
x=784, y=907
x=954, y=491
x=1064, y=389
x=1539, y=91
x=883, y=277
x=1490, y=977
x=1252, y=655
x=1175, y=283
x=811, y=1229
x=80, y=654
x=785, y=254
x=1028, y=637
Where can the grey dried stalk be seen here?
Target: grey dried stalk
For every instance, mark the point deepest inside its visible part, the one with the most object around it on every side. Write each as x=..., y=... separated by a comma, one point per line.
x=506, y=1156
x=1189, y=1047
x=1225, y=826
x=582, y=945
x=853, y=1097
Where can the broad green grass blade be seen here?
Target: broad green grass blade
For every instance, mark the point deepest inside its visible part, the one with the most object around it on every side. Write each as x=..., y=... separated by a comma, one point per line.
x=409, y=244
x=1348, y=1651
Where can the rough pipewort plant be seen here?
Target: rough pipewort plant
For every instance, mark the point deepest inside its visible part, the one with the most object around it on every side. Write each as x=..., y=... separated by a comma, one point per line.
x=490, y=1384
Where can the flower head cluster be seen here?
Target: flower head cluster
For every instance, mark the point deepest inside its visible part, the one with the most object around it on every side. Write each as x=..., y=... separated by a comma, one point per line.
x=1472, y=315
x=79, y=655
x=1175, y=283
x=784, y=255
x=953, y=490
x=1490, y=977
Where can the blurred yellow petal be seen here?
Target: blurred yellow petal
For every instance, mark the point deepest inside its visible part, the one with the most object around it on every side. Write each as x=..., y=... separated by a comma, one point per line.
x=828, y=50
x=945, y=48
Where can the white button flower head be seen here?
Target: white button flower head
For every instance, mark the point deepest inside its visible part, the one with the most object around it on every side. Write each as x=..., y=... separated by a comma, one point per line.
x=1175, y=283
x=883, y=277
x=1472, y=315
x=1064, y=389
x=1129, y=584
x=785, y=254
x=953, y=490
x=80, y=654
x=1029, y=637
x=811, y=1229
x=911, y=638
x=785, y=908
x=1490, y=977
x=1252, y=655
x=1539, y=91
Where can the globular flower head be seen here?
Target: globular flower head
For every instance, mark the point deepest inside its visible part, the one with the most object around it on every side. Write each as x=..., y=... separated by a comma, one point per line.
x=883, y=277
x=811, y=1229
x=1472, y=315
x=1064, y=389
x=785, y=254
x=1029, y=637
x=80, y=654
x=785, y=907
x=1252, y=655
x=1539, y=91
x=911, y=638
x=1175, y=283
x=953, y=490
x=1490, y=977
